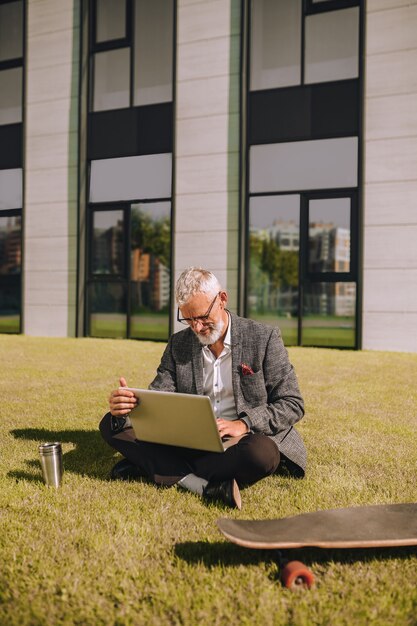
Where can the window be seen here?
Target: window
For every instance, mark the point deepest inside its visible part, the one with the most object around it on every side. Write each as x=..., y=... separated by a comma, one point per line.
x=116, y=44
x=110, y=20
x=304, y=165
x=153, y=46
x=329, y=234
x=111, y=79
x=332, y=46
x=275, y=43
x=303, y=154
x=130, y=269
x=11, y=31
x=11, y=96
x=129, y=154
x=10, y=270
x=274, y=227
x=329, y=315
x=128, y=178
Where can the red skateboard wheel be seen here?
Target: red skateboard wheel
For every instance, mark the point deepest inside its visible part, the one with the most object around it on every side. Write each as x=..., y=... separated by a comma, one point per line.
x=295, y=575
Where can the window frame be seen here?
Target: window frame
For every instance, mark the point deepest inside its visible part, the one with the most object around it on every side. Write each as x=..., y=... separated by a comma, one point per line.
x=125, y=278
x=356, y=193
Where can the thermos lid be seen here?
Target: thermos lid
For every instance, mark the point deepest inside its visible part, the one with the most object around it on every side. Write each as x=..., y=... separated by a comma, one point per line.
x=50, y=448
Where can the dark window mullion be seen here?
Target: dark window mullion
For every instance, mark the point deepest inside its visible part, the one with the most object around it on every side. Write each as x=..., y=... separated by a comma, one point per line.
x=130, y=30
x=127, y=245
x=303, y=263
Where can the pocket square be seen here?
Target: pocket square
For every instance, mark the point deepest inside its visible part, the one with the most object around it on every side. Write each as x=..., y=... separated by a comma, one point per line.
x=246, y=369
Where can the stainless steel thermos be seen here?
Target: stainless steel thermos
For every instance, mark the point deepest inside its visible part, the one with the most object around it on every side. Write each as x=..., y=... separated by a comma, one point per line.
x=51, y=463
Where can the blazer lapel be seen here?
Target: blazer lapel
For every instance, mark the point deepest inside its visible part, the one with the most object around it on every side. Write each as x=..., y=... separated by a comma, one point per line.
x=197, y=360
x=236, y=358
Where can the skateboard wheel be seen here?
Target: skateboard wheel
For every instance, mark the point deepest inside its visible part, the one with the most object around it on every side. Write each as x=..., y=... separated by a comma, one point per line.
x=295, y=575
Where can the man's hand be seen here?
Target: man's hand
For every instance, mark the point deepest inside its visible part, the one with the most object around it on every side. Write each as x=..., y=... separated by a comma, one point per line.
x=122, y=401
x=230, y=428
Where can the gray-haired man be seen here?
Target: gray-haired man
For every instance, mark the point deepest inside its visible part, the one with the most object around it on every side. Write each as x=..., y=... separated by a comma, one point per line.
x=243, y=367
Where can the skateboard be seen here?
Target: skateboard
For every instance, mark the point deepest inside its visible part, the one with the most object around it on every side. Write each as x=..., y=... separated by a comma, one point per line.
x=374, y=526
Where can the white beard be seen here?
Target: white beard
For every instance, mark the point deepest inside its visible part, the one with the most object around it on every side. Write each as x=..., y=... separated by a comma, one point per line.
x=215, y=334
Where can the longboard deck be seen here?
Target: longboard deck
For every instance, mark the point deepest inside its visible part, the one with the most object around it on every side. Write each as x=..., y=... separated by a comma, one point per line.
x=382, y=525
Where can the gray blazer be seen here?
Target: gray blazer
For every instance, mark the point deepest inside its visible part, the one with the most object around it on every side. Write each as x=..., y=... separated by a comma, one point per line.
x=269, y=398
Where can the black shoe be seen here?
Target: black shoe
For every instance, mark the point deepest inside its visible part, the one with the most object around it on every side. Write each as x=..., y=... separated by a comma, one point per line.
x=125, y=470
x=226, y=491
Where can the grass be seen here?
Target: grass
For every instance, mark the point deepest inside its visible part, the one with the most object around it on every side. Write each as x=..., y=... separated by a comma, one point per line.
x=101, y=553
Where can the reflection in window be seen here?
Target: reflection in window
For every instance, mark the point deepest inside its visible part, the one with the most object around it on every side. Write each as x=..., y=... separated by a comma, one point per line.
x=11, y=30
x=273, y=262
x=329, y=314
x=150, y=270
x=10, y=245
x=112, y=79
x=108, y=244
x=153, y=47
x=10, y=269
x=329, y=235
x=107, y=310
x=275, y=43
x=111, y=20
x=332, y=46
x=11, y=96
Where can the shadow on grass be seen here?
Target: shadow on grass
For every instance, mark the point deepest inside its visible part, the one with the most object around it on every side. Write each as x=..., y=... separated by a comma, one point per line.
x=91, y=456
x=223, y=553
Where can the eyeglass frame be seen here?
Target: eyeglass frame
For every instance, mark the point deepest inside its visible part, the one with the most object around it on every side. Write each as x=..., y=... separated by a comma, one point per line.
x=187, y=321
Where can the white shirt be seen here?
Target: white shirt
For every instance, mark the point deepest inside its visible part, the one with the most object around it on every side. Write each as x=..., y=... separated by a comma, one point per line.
x=217, y=379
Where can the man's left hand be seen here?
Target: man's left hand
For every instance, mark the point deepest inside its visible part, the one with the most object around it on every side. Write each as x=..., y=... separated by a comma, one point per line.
x=231, y=428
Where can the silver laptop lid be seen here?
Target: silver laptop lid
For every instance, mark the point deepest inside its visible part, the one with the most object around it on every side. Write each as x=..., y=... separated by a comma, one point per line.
x=175, y=419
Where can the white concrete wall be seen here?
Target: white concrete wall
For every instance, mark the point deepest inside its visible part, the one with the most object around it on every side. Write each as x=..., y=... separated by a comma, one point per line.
x=207, y=139
x=390, y=183
x=51, y=145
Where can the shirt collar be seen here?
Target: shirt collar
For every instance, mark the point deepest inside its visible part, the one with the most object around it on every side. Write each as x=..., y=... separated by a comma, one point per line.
x=228, y=338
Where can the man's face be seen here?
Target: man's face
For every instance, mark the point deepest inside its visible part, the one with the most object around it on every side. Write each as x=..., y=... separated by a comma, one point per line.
x=212, y=309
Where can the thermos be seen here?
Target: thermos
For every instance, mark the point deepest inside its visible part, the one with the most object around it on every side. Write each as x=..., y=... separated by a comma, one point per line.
x=51, y=463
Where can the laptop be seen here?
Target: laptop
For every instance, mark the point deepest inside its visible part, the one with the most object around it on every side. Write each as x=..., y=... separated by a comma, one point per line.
x=176, y=419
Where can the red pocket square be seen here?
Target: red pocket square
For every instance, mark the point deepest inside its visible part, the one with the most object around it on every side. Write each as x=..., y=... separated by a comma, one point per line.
x=246, y=369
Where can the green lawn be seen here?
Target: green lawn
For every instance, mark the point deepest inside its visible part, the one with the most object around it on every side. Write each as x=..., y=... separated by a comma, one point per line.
x=101, y=553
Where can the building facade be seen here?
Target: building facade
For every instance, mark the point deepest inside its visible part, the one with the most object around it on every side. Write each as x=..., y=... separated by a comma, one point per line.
x=272, y=141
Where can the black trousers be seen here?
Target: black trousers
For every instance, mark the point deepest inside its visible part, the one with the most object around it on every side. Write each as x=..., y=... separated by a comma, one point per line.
x=252, y=458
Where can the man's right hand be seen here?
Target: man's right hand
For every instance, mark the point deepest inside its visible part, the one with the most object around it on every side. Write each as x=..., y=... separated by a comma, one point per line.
x=122, y=401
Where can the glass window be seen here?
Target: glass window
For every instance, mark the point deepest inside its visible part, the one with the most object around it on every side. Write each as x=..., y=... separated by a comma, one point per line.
x=274, y=223
x=107, y=310
x=110, y=20
x=332, y=45
x=10, y=245
x=321, y=164
x=275, y=43
x=153, y=47
x=11, y=189
x=108, y=243
x=150, y=270
x=111, y=79
x=11, y=31
x=10, y=269
x=131, y=178
x=329, y=235
x=329, y=315
x=11, y=96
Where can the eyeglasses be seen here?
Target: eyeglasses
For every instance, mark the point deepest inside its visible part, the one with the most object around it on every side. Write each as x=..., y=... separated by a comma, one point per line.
x=200, y=318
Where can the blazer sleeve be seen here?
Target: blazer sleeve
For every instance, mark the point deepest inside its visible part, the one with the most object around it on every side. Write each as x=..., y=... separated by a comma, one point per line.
x=275, y=403
x=166, y=375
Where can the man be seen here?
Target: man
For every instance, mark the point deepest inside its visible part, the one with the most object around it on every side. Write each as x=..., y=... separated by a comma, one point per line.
x=243, y=367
